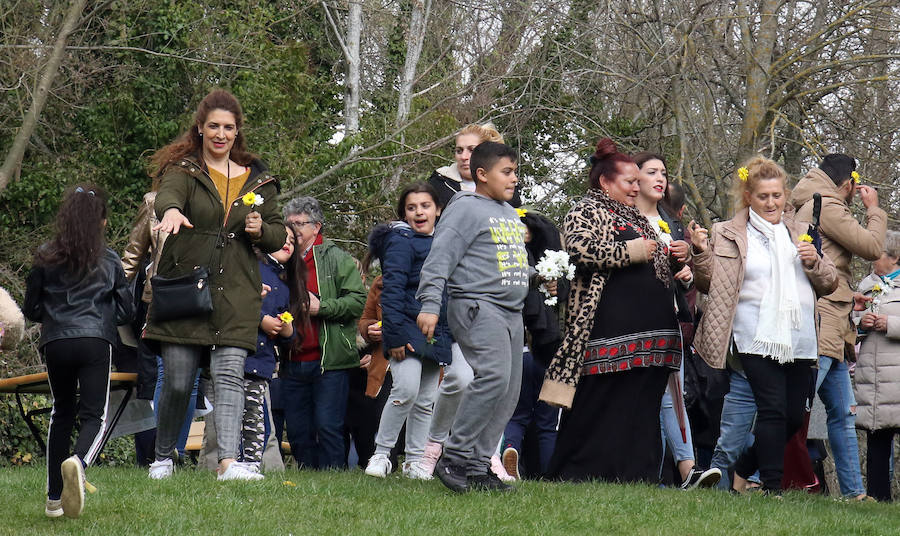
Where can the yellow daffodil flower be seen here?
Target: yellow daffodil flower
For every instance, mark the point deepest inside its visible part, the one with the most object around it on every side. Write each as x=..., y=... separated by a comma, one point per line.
x=521, y=212
x=664, y=227
x=805, y=238
x=286, y=317
x=251, y=199
x=743, y=174
x=856, y=177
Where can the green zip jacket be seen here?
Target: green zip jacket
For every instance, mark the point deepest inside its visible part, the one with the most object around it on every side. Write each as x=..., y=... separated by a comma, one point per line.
x=234, y=280
x=342, y=297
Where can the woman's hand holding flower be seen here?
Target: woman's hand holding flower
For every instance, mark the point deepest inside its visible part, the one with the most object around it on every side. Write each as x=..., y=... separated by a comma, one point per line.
x=808, y=254
x=681, y=250
x=699, y=237
x=253, y=225
x=873, y=321
x=373, y=332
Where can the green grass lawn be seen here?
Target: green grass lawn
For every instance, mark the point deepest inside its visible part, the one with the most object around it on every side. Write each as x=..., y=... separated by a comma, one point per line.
x=349, y=503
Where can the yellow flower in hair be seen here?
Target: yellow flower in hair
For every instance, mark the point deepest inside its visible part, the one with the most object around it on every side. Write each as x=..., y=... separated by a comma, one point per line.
x=805, y=238
x=252, y=200
x=286, y=317
x=855, y=176
x=743, y=174
x=664, y=227
x=521, y=212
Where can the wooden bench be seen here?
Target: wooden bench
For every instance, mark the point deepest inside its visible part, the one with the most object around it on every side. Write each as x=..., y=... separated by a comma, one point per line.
x=39, y=384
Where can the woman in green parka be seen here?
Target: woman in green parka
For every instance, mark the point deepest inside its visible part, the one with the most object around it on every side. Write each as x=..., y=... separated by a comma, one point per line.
x=204, y=201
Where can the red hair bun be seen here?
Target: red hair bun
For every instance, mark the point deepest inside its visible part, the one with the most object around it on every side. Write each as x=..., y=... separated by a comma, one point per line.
x=605, y=147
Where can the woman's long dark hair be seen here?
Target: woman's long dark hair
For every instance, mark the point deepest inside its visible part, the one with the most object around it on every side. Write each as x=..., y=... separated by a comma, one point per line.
x=191, y=143
x=79, y=240
x=295, y=277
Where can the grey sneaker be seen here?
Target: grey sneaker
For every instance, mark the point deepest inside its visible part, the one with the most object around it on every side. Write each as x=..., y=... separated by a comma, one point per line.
x=53, y=508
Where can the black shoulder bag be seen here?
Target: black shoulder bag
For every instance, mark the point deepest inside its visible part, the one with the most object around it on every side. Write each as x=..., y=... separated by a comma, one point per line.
x=184, y=296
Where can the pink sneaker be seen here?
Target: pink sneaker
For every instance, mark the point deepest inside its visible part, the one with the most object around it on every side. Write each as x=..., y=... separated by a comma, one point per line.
x=429, y=459
x=497, y=469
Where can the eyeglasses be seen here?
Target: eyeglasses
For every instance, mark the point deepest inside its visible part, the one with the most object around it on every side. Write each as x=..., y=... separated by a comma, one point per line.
x=298, y=224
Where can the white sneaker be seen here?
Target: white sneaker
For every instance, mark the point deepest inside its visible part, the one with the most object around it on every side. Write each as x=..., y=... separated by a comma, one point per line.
x=379, y=466
x=72, y=499
x=239, y=471
x=253, y=467
x=161, y=469
x=415, y=471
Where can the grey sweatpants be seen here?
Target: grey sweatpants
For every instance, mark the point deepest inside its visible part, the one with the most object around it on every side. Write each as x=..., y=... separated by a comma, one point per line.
x=413, y=388
x=491, y=338
x=457, y=376
x=180, y=363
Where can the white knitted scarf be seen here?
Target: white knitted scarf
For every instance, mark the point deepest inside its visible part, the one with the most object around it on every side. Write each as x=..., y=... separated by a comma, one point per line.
x=779, y=311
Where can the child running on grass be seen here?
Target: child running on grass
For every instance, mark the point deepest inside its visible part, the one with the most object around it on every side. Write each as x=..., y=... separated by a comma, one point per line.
x=77, y=290
x=280, y=271
x=479, y=256
x=415, y=360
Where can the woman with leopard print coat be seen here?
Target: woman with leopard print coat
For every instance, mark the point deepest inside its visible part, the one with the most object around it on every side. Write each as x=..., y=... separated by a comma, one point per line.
x=622, y=338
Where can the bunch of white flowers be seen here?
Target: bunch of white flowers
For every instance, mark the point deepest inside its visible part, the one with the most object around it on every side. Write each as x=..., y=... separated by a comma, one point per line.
x=554, y=265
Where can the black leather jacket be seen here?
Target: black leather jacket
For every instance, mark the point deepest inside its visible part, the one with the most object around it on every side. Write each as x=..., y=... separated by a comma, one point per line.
x=71, y=308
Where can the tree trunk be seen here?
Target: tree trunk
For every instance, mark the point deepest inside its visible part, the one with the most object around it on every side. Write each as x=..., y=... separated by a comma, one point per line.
x=759, y=58
x=17, y=150
x=354, y=31
x=418, y=22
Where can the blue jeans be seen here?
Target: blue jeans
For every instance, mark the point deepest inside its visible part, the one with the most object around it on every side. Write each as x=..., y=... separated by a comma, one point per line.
x=671, y=432
x=836, y=392
x=529, y=409
x=735, y=428
x=315, y=404
x=188, y=417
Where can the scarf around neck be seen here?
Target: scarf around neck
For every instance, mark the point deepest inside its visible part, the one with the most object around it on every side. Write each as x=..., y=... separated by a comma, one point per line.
x=641, y=224
x=779, y=310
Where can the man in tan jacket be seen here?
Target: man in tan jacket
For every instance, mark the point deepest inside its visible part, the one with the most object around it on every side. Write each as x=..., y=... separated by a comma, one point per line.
x=842, y=237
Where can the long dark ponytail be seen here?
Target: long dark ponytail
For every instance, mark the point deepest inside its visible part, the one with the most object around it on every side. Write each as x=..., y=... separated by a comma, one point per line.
x=79, y=235
x=295, y=277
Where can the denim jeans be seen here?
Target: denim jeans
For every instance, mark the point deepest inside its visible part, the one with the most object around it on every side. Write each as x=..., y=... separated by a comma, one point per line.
x=315, y=404
x=671, y=431
x=735, y=428
x=192, y=405
x=836, y=393
x=531, y=410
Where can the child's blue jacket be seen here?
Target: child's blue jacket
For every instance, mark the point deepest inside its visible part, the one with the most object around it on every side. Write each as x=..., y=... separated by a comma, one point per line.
x=402, y=253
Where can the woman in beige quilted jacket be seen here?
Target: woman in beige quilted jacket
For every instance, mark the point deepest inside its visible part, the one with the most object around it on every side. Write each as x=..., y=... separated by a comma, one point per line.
x=762, y=279
x=878, y=368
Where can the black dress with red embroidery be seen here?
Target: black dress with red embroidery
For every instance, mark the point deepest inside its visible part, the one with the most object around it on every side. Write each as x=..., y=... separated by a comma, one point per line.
x=635, y=324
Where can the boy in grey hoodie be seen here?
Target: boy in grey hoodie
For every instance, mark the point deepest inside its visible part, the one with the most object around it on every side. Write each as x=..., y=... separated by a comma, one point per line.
x=479, y=254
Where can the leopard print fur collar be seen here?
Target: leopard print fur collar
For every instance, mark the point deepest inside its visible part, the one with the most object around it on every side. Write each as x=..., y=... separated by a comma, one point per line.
x=625, y=215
